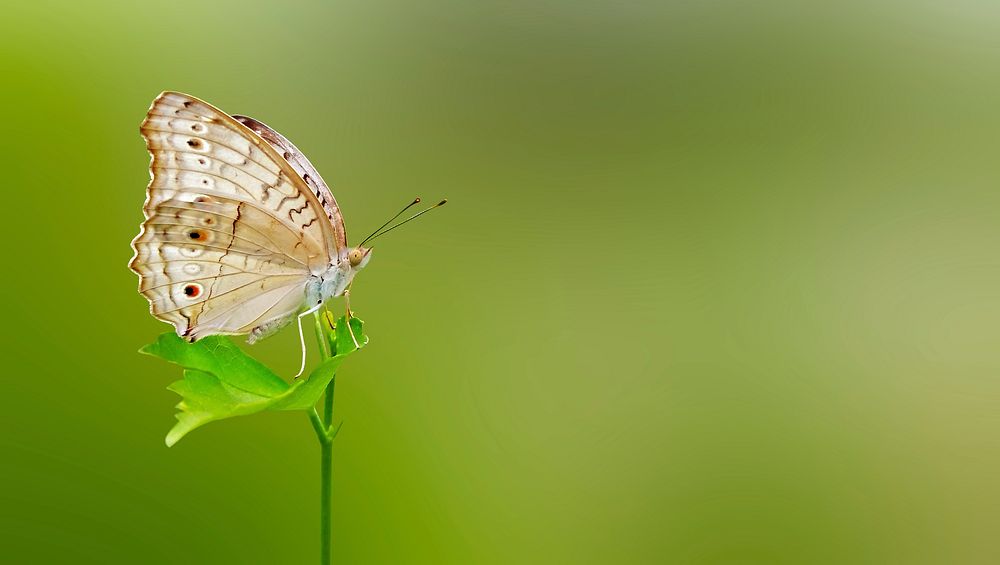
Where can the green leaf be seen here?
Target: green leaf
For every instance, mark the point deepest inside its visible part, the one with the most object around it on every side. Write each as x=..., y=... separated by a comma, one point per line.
x=221, y=381
x=305, y=394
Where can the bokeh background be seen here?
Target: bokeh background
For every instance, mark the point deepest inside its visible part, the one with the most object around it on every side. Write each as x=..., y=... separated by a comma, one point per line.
x=718, y=283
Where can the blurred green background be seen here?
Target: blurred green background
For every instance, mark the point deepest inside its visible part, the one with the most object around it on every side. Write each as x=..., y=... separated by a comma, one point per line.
x=718, y=283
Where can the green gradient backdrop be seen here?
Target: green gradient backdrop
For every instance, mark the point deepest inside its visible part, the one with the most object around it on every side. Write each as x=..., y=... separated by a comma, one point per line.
x=718, y=283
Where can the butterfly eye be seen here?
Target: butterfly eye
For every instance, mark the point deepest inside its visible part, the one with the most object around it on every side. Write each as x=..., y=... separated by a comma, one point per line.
x=196, y=234
x=192, y=290
x=354, y=257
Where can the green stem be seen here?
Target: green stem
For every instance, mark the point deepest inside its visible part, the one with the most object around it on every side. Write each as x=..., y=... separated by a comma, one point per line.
x=324, y=345
x=317, y=423
x=323, y=429
x=326, y=501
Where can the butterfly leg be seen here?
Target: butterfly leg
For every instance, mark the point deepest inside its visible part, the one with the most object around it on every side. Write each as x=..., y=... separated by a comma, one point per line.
x=302, y=338
x=347, y=300
x=347, y=304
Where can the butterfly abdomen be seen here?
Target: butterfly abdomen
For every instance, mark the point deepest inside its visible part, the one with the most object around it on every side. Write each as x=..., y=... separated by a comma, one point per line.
x=268, y=329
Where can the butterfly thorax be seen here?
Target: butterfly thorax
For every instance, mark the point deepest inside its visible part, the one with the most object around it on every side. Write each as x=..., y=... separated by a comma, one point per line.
x=329, y=284
x=332, y=282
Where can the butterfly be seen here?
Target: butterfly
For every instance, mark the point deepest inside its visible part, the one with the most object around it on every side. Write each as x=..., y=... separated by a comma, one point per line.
x=241, y=234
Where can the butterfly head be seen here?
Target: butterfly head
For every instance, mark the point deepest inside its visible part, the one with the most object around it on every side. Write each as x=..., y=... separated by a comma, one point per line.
x=359, y=256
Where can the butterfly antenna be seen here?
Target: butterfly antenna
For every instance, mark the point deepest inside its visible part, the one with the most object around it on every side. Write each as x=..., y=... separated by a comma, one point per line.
x=389, y=221
x=413, y=217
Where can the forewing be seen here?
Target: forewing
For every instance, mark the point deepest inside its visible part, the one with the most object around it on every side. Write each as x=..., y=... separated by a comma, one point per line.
x=306, y=171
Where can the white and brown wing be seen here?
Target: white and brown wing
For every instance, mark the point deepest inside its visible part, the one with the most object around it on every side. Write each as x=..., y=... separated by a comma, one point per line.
x=306, y=170
x=232, y=233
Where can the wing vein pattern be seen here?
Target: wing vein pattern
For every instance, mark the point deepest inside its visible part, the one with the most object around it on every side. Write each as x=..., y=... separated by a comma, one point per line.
x=233, y=232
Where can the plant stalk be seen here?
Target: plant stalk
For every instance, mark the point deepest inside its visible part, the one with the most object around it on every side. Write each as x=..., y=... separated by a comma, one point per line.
x=326, y=494
x=324, y=428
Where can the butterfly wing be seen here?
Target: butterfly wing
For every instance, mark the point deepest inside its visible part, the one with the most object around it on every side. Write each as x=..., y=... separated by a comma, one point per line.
x=232, y=234
x=305, y=169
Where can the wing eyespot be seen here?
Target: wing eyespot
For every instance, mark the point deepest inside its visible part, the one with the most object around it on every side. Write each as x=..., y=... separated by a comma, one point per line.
x=190, y=251
x=200, y=235
x=192, y=290
x=197, y=145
